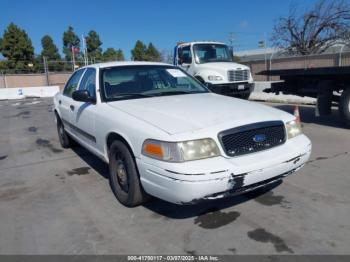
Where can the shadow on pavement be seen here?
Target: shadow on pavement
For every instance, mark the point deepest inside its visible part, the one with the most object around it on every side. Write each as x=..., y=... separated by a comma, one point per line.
x=170, y=210
x=174, y=211
x=93, y=161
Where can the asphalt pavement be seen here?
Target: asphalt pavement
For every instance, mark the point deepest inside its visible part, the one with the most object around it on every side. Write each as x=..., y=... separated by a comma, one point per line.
x=56, y=201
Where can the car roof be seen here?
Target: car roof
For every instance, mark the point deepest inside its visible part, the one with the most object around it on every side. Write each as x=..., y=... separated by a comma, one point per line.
x=125, y=63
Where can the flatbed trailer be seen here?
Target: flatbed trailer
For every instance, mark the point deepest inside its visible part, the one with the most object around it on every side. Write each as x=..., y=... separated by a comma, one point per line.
x=329, y=85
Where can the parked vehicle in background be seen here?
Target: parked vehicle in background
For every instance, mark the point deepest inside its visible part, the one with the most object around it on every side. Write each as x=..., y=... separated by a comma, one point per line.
x=212, y=64
x=330, y=85
x=164, y=134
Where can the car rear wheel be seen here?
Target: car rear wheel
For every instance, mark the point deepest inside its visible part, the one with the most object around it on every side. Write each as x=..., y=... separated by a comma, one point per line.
x=123, y=176
x=65, y=140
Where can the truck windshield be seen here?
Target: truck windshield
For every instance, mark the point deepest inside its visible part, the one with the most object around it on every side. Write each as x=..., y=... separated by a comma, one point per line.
x=134, y=82
x=207, y=53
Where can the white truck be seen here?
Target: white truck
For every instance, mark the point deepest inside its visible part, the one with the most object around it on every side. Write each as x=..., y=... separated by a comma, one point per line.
x=212, y=64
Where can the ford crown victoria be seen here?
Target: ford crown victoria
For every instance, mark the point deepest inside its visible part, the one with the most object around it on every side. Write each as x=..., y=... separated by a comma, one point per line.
x=164, y=134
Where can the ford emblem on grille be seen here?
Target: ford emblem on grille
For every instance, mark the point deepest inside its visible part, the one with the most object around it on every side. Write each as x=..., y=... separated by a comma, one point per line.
x=259, y=138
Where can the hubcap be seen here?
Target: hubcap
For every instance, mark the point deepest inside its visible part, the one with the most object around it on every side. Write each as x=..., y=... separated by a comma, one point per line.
x=61, y=132
x=122, y=175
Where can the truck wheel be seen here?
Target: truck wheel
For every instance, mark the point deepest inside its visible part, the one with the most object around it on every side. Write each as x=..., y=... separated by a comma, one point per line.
x=344, y=106
x=123, y=176
x=245, y=96
x=65, y=140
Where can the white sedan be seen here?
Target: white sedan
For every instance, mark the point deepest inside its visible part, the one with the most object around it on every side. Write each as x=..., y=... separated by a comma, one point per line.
x=164, y=134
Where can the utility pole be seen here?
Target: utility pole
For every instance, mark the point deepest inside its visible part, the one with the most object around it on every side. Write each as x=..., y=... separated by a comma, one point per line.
x=262, y=44
x=46, y=70
x=231, y=39
x=4, y=78
x=265, y=43
x=73, y=57
x=86, y=61
x=340, y=55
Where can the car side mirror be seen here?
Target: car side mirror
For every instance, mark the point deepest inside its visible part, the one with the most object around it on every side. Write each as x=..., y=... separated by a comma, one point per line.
x=83, y=96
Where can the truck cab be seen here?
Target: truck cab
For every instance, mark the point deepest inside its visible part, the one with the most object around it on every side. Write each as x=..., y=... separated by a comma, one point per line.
x=212, y=64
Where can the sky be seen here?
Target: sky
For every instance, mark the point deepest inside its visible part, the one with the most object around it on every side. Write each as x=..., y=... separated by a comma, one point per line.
x=162, y=22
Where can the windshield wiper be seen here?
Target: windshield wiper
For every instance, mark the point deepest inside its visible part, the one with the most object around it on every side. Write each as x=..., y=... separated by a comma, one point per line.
x=131, y=95
x=167, y=93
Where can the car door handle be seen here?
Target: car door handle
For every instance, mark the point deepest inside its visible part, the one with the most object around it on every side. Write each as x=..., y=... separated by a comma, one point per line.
x=59, y=101
x=72, y=107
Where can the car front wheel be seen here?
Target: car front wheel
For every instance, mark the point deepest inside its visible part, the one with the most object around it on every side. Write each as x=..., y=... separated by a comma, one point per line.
x=123, y=176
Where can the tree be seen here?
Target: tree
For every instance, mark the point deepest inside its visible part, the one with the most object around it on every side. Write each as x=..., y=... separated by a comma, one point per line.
x=0, y=45
x=109, y=55
x=139, y=51
x=70, y=39
x=326, y=23
x=167, y=56
x=236, y=59
x=113, y=55
x=120, y=55
x=152, y=54
x=17, y=47
x=49, y=50
x=93, y=45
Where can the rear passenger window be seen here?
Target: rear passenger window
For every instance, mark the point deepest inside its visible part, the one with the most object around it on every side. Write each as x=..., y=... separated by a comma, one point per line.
x=73, y=82
x=88, y=82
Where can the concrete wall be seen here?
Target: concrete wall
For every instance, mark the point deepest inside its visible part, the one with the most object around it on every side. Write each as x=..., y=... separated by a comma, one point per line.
x=20, y=93
x=29, y=80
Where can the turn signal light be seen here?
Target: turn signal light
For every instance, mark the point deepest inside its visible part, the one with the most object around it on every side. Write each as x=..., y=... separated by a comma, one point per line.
x=153, y=149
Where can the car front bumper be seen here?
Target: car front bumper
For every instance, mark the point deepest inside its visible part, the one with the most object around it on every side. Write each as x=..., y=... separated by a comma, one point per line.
x=191, y=182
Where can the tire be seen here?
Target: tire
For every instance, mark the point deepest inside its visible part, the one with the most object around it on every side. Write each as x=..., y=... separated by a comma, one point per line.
x=123, y=176
x=245, y=96
x=65, y=140
x=344, y=106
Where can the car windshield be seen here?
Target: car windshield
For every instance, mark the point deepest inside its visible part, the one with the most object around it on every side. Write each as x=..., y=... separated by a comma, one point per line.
x=207, y=53
x=132, y=82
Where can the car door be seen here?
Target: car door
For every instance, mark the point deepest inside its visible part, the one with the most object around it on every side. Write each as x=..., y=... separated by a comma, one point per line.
x=65, y=101
x=83, y=113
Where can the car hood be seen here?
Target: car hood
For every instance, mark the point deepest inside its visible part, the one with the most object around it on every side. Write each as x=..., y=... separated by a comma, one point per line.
x=187, y=113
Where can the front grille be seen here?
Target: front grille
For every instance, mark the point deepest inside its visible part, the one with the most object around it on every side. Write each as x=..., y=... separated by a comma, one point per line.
x=238, y=75
x=252, y=138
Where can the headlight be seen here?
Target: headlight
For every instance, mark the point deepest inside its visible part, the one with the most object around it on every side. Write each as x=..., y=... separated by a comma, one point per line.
x=180, y=151
x=214, y=78
x=293, y=128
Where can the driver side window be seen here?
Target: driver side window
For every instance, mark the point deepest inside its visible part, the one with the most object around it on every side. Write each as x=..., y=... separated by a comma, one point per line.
x=72, y=83
x=88, y=82
x=185, y=55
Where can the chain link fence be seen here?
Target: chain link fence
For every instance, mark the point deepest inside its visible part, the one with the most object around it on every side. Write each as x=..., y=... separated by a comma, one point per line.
x=40, y=73
x=51, y=72
x=44, y=72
